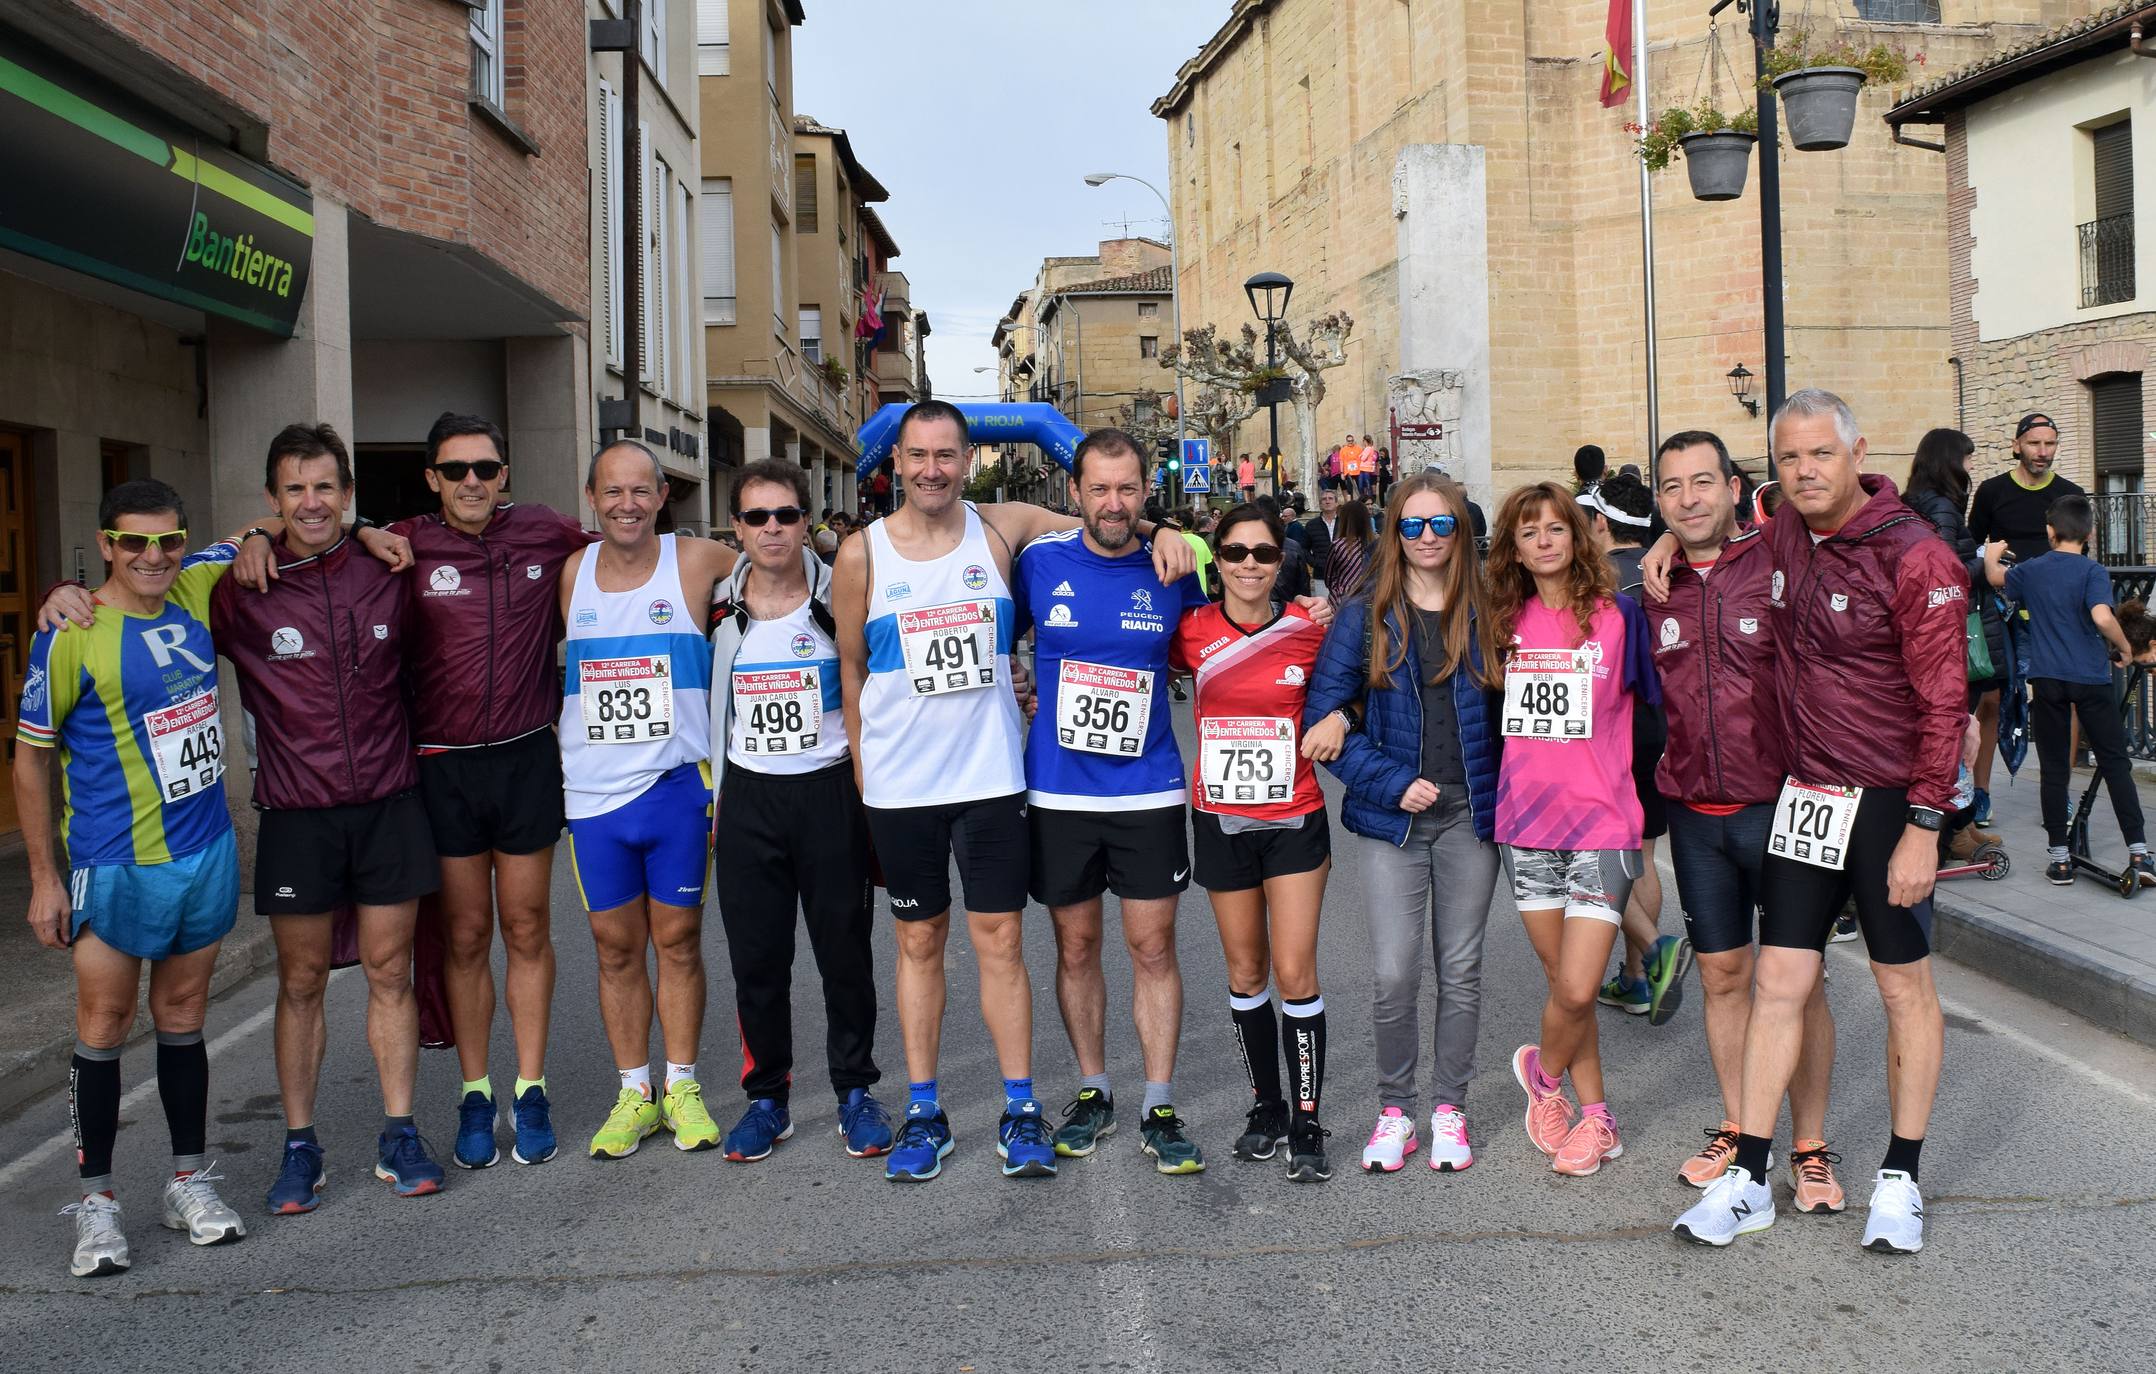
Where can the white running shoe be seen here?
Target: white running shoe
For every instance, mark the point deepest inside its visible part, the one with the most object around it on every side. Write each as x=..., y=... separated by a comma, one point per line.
x=1390, y=1144
x=1896, y=1223
x=192, y=1205
x=1736, y=1204
x=1449, y=1150
x=100, y=1248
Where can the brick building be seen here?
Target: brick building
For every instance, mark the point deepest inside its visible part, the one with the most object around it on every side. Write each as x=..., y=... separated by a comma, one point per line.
x=2052, y=284
x=1285, y=131
x=224, y=217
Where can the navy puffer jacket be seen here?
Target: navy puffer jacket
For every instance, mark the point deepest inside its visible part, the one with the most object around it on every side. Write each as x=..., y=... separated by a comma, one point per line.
x=1384, y=756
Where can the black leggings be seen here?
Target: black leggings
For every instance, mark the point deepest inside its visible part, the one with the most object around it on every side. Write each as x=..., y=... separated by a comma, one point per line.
x=2104, y=728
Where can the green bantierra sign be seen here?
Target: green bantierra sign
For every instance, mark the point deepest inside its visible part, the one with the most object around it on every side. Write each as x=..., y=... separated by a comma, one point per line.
x=96, y=181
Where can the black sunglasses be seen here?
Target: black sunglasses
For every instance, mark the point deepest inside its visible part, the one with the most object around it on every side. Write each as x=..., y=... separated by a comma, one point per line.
x=1264, y=555
x=456, y=469
x=758, y=518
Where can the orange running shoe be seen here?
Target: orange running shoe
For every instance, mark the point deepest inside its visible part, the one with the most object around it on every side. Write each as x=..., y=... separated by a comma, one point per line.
x=1591, y=1142
x=1702, y=1169
x=1811, y=1172
x=1549, y=1115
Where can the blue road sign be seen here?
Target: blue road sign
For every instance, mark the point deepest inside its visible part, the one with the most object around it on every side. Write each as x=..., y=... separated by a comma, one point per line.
x=1198, y=466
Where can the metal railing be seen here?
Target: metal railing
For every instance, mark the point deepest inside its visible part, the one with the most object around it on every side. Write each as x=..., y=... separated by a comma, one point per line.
x=2107, y=260
x=2125, y=528
x=2136, y=584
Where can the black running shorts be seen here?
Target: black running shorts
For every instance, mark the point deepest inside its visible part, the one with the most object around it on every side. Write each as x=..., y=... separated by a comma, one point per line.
x=377, y=853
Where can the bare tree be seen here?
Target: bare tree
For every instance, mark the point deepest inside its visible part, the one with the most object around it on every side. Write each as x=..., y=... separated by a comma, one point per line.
x=1237, y=368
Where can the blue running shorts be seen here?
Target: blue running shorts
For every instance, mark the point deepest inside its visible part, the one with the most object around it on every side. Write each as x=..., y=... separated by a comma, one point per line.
x=155, y=911
x=657, y=845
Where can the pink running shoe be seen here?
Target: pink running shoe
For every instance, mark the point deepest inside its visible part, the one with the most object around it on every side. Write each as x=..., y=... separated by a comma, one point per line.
x=1390, y=1144
x=1591, y=1142
x=1449, y=1149
x=1549, y=1115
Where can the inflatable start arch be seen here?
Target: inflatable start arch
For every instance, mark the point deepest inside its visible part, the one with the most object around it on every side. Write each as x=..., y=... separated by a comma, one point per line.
x=1020, y=422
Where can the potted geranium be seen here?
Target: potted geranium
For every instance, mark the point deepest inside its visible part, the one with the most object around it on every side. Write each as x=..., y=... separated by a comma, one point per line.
x=1819, y=83
x=1717, y=147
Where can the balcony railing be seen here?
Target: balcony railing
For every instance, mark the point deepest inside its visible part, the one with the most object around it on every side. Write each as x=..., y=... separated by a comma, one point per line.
x=2125, y=535
x=2107, y=260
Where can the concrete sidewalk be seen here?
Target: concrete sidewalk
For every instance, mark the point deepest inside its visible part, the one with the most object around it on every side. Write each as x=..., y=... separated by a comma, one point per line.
x=2083, y=947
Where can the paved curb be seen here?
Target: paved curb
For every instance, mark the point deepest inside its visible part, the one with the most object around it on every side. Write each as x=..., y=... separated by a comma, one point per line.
x=25, y=1073
x=2080, y=982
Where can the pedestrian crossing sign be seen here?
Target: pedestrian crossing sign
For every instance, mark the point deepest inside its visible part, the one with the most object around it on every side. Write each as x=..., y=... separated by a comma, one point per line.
x=1198, y=466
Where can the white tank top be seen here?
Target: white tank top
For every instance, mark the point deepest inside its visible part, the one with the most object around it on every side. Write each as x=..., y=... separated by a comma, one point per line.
x=787, y=715
x=635, y=692
x=938, y=721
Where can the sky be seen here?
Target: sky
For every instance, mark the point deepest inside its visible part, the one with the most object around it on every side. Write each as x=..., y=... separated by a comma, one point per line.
x=982, y=120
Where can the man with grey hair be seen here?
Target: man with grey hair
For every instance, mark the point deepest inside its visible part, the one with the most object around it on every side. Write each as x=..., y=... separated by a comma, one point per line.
x=1872, y=711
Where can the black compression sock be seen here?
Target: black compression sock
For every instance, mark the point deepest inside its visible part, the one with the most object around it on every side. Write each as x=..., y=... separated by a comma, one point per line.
x=1258, y=1037
x=93, y=1097
x=1303, y=1024
x=1903, y=1153
x=183, y=1084
x=1752, y=1155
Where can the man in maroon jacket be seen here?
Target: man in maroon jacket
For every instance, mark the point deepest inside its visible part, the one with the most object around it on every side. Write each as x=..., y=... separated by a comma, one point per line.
x=1868, y=607
x=482, y=627
x=1722, y=769
x=319, y=658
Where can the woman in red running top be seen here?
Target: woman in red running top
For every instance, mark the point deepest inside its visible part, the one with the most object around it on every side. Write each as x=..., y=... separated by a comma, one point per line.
x=1262, y=845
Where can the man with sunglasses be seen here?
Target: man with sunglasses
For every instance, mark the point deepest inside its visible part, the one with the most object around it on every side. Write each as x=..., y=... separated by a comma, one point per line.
x=791, y=835
x=485, y=617
x=153, y=870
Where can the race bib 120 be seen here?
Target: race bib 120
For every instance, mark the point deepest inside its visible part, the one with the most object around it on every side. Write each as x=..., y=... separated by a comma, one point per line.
x=1812, y=822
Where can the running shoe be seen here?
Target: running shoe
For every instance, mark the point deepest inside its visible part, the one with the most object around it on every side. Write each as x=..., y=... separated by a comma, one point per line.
x=864, y=1125
x=100, y=1245
x=1590, y=1143
x=476, y=1116
x=1265, y=1130
x=1023, y=1140
x=1983, y=808
x=1735, y=1205
x=1629, y=995
x=1704, y=1169
x=1549, y=1115
x=1449, y=1148
x=1896, y=1223
x=401, y=1161
x=634, y=1117
x=1390, y=1143
x=299, y=1180
x=1306, y=1152
x=1811, y=1174
x=1667, y=964
x=2059, y=874
x=192, y=1205
x=1174, y=1152
x=924, y=1139
x=2144, y=868
x=534, y=1116
x=761, y=1127
x=1088, y=1120
x=1845, y=929
x=682, y=1111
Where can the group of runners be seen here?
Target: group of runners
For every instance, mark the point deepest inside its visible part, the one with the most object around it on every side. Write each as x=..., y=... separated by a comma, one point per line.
x=433, y=703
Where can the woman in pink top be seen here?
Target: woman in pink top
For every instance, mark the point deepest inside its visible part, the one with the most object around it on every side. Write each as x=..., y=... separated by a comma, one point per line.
x=1576, y=655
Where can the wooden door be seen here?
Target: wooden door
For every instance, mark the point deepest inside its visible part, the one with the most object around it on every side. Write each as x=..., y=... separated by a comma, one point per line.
x=16, y=588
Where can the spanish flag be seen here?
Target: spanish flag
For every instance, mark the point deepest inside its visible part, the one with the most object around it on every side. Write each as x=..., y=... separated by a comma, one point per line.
x=1617, y=62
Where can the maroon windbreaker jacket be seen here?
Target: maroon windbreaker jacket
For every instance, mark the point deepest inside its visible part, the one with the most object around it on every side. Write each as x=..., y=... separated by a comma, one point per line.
x=485, y=617
x=320, y=659
x=1871, y=662
x=1714, y=649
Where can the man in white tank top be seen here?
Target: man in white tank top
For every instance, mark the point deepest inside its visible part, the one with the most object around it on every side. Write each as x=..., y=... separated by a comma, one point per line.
x=634, y=744
x=924, y=631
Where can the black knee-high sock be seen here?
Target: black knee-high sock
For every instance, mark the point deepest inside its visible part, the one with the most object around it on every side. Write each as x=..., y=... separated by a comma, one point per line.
x=1259, y=1040
x=1303, y=1026
x=183, y=1083
x=93, y=1098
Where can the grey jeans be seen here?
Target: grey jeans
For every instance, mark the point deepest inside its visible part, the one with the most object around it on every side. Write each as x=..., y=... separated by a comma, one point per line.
x=1445, y=870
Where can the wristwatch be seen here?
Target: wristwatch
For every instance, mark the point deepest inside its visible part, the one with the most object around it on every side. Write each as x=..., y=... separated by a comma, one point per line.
x=1926, y=817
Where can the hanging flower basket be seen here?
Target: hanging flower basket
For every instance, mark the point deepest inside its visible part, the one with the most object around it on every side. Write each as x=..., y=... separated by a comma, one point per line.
x=1820, y=104
x=1718, y=162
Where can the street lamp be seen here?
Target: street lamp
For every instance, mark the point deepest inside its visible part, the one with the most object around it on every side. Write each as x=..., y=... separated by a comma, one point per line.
x=1274, y=289
x=1175, y=283
x=1740, y=386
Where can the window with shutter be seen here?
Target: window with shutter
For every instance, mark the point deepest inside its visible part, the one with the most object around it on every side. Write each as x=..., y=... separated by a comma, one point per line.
x=649, y=231
x=2115, y=422
x=718, y=250
x=660, y=367
x=2114, y=169
x=2107, y=242
x=714, y=39
x=610, y=217
x=687, y=383
x=812, y=333
x=778, y=280
x=805, y=221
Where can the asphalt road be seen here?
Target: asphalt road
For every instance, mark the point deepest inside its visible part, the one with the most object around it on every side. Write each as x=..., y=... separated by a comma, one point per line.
x=2041, y=1202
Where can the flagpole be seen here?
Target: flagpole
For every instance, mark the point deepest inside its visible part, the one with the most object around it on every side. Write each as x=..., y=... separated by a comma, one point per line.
x=1646, y=237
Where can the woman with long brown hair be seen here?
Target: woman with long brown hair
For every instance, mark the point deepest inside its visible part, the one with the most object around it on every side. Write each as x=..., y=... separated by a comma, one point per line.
x=1411, y=668
x=1576, y=656
x=1347, y=563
